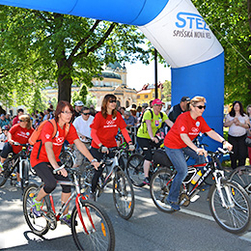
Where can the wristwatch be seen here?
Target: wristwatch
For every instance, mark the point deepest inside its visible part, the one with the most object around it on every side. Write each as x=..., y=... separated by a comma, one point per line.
x=223, y=141
x=94, y=160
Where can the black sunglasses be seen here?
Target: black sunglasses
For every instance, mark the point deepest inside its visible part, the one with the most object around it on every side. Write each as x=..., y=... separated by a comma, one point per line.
x=22, y=120
x=201, y=106
x=112, y=101
x=88, y=113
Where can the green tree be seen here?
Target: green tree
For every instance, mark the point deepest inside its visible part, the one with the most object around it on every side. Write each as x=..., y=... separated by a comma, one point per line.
x=52, y=49
x=166, y=91
x=230, y=20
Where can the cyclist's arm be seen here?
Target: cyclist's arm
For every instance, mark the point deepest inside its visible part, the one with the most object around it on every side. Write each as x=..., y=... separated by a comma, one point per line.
x=169, y=122
x=214, y=135
x=9, y=138
x=95, y=137
x=149, y=128
x=190, y=144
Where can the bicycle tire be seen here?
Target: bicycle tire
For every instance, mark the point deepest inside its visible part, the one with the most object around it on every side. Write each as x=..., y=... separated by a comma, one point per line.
x=5, y=174
x=67, y=158
x=135, y=169
x=38, y=225
x=232, y=218
x=242, y=175
x=159, y=189
x=123, y=194
x=25, y=174
x=101, y=236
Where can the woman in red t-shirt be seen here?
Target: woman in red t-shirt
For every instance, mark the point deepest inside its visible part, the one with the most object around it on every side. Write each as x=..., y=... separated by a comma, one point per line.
x=179, y=141
x=104, y=129
x=18, y=133
x=48, y=158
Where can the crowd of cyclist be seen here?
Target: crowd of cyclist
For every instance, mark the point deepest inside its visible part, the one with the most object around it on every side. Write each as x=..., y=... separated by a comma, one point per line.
x=181, y=125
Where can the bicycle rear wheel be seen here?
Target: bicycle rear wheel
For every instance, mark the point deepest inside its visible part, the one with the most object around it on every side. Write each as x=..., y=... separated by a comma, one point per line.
x=5, y=174
x=159, y=189
x=233, y=215
x=242, y=175
x=38, y=225
x=135, y=169
x=25, y=174
x=92, y=229
x=123, y=195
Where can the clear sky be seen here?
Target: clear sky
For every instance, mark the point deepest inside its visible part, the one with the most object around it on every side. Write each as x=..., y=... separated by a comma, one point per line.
x=139, y=74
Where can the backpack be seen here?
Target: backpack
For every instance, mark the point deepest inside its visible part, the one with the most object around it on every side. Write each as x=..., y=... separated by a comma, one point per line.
x=141, y=122
x=35, y=135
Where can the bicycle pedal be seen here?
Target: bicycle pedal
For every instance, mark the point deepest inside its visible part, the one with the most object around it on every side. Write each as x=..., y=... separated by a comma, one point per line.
x=195, y=197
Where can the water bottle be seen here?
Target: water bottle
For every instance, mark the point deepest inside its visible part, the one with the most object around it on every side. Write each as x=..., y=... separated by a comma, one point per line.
x=196, y=177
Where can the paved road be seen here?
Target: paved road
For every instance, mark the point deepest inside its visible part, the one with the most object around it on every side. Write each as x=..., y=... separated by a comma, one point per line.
x=192, y=228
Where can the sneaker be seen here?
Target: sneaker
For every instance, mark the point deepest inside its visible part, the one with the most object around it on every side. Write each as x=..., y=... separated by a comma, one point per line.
x=174, y=205
x=146, y=181
x=66, y=219
x=1, y=167
x=36, y=207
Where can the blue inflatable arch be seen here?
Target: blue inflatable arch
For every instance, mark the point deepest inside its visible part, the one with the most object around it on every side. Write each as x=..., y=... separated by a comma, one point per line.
x=176, y=30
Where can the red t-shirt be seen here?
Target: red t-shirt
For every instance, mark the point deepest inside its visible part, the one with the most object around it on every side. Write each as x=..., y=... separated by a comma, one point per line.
x=20, y=135
x=107, y=129
x=185, y=124
x=15, y=120
x=57, y=142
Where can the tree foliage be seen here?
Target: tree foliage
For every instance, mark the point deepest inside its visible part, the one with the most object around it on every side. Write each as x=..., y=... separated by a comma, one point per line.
x=230, y=21
x=42, y=49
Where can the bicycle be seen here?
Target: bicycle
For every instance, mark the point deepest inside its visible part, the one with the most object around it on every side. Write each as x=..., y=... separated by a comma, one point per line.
x=20, y=159
x=90, y=225
x=228, y=201
x=123, y=194
x=135, y=163
x=242, y=175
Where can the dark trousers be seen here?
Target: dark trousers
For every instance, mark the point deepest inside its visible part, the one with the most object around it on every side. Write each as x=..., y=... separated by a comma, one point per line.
x=239, y=151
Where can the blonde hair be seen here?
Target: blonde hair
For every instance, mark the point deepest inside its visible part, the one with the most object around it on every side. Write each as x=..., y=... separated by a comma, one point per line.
x=26, y=118
x=196, y=100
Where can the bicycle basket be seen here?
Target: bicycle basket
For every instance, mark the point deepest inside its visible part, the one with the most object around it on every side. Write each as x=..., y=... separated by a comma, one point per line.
x=160, y=157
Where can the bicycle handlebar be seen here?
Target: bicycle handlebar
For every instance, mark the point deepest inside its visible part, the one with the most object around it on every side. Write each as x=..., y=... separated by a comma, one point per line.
x=58, y=169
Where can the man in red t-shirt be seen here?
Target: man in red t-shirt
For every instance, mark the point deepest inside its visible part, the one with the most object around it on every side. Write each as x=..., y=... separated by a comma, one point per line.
x=179, y=141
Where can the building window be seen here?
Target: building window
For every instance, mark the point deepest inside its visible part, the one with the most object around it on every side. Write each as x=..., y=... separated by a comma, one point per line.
x=146, y=96
x=138, y=96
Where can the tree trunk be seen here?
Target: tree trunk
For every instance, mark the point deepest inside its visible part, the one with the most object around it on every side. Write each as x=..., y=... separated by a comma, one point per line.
x=64, y=88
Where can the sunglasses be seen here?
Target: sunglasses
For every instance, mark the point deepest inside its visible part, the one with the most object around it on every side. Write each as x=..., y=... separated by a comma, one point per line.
x=112, y=101
x=65, y=112
x=23, y=120
x=88, y=113
x=201, y=106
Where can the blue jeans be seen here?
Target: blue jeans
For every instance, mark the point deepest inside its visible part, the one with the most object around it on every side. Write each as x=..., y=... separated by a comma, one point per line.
x=179, y=162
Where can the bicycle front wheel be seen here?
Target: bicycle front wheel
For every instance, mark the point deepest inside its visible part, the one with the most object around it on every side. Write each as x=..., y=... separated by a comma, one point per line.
x=123, y=195
x=25, y=173
x=5, y=174
x=242, y=175
x=92, y=228
x=230, y=207
x=159, y=189
x=38, y=225
x=135, y=169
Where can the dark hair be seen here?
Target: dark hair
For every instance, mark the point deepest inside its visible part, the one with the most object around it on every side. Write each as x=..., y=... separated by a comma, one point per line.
x=232, y=112
x=20, y=110
x=104, y=105
x=61, y=105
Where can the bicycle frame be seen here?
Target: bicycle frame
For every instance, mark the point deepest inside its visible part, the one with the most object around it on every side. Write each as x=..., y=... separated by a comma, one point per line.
x=78, y=195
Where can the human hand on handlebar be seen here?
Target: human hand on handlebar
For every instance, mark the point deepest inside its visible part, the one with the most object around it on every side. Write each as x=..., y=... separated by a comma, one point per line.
x=227, y=145
x=103, y=149
x=155, y=140
x=201, y=151
x=131, y=147
x=61, y=171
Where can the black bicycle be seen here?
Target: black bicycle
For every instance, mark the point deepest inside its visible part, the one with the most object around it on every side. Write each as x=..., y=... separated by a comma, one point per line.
x=14, y=161
x=123, y=194
x=229, y=203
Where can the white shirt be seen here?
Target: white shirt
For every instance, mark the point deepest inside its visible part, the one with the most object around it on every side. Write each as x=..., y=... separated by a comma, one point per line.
x=83, y=126
x=2, y=137
x=235, y=130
